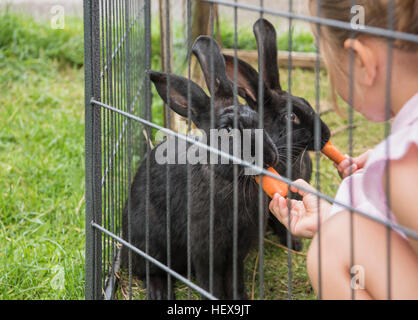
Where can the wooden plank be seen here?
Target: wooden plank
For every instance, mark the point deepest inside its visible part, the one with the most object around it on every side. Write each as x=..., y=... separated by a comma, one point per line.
x=306, y=60
x=174, y=117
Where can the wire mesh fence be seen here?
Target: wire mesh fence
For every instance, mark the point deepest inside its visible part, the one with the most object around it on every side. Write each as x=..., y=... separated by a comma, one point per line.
x=125, y=192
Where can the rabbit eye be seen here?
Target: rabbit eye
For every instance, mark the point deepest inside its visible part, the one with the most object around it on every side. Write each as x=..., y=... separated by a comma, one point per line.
x=294, y=118
x=229, y=129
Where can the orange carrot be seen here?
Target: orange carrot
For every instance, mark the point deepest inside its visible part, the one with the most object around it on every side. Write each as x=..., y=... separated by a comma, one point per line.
x=271, y=185
x=333, y=153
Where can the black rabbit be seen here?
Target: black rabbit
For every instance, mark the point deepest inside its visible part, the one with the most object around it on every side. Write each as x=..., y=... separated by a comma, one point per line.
x=200, y=197
x=275, y=113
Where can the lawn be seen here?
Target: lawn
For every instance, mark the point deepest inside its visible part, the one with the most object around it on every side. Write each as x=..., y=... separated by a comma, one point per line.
x=41, y=160
x=42, y=166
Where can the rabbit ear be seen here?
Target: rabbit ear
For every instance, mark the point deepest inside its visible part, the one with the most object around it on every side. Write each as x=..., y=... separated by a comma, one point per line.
x=247, y=80
x=265, y=35
x=177, y=99
x=203, y=48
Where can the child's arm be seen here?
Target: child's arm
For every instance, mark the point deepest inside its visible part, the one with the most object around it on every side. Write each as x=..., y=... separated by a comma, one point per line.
x=303, y=214
x=403, y=175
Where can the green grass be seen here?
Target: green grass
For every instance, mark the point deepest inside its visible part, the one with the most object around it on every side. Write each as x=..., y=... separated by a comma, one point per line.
x=302, y=41
x=41, y=160
x=42, y=187
x=28, y=40
x=42, y=164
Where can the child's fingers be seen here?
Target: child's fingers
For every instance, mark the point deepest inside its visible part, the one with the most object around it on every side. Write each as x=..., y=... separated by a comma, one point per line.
x=346, y=167
x=304, y=184
x=344, y=164
x=351, y=165
x=349, y=171
x=274, y=203
x=298, y=208
x=362, y=159
x=278, y=206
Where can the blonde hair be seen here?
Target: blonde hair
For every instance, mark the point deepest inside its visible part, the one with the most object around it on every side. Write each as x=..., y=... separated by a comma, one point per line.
x=405, y=19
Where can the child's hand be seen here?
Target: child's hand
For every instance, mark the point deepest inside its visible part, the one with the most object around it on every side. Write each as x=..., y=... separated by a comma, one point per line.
x=344, y=168
x=303, y=214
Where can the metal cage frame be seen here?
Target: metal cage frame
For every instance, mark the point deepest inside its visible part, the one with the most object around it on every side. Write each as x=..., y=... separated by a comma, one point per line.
x=118, y=110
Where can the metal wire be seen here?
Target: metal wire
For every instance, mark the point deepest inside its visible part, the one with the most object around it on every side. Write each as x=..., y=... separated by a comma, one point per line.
x=289, y=143
x=168, y=176
x=154, y=261
x=128, y=153
x=93, y=149
x=189, y=124
x=149, y=116
x=211, y=166
x=260, y=189
x=118, y=105
x=391, y=8
x=350, y=149
x=262, y=171
x=235, y=167
x=323, y=21
x=318, y=139
x=249, y=165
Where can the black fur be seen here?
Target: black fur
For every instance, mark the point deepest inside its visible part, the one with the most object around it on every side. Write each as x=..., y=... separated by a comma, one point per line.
x=275, y=101
x=201, y=197
x=200, y=203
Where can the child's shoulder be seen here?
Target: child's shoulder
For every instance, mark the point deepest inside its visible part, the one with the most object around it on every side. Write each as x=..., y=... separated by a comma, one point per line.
x=392, y=150
x=407, y=116
x=395, y=146
x=404, y=133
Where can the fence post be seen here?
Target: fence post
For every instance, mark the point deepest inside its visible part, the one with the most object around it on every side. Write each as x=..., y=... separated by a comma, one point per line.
x=93, y=169
x=129, y=140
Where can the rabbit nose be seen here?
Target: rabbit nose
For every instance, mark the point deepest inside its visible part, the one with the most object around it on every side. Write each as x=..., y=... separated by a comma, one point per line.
x=273, y=159
x=271, y=154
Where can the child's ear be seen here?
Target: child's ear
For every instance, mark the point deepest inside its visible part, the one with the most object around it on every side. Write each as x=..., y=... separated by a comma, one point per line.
x=366, y=61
